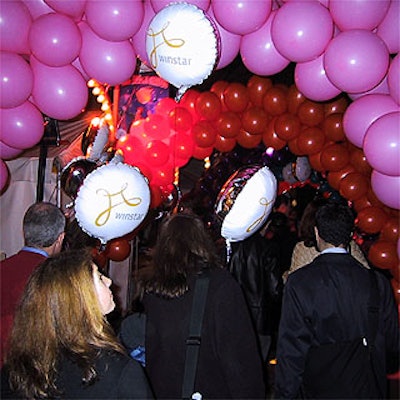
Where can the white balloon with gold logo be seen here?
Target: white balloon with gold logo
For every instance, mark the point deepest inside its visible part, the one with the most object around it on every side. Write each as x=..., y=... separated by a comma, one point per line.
x=182, y=45
x=112, y=201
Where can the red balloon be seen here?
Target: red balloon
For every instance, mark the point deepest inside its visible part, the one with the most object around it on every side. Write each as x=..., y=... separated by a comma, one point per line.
x=236, y=97
x=333, y=127
x=287, y=126
x=228, y=124
x=294, y=147
x=164, y=106
x=358, y=159
x=257, y=86
x=224, y=144
x=391, y=230
x=118, y=249
x=156, y=126
x=334, y=157
x=294, y=99
x=254, y=120
x=311, y=140
x=353, y=186
x=315, y=162
x=208, y=106
x=247, y=140
x=310, y=113
x=181, y=145
x=270, y=137
x=360, y=203
x=371, y=219
x=218, y=88
x=200, y=153
x=157, y=153
x=156, y=196
x=188, y=101
x=204, y=133
x=274, y=101
x=180, y=119
x=383, y=254
x=335, y=177
x=337, y=106
x=163, y=175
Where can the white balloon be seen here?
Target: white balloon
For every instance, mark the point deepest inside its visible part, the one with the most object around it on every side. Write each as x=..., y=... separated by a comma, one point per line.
x=182, y=45
x=112, y=201
x=245, y=202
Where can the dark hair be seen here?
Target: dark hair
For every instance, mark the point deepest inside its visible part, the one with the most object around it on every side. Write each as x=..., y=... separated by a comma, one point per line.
x=183, y=247
x=307, y=222
x=42, y=224
x=335, y=223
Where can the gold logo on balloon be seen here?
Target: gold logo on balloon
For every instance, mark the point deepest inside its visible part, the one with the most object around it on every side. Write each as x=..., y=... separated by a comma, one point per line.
x=174, y=43
x=114, y=200
x=264, y=202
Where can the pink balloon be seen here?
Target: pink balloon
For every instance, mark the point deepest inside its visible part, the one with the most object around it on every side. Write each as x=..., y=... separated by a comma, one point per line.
x=114, y=20
x=55, y=39
x=382, y=144
x=72, y=8
x=312, y=82
x=241, y=16
x=259, y=53
x=229, y=43
x=139, y=38
x=356, y=60
x=21, y=127
x=16, y=80
x=386, y=189
x=8, y=152
x=108, y=62
x=360, y=14
x=15, y=22
x=361, y=113
x=4, y=175
x=388, y=29
x=59, y=92
x=382, y=88
x=77, y=64
x=302, y=30
x=37, y=7
x=394, y=79
x=158, y=5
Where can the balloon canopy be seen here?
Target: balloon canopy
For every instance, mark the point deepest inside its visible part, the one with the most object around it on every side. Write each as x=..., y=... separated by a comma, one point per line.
x=245, y=201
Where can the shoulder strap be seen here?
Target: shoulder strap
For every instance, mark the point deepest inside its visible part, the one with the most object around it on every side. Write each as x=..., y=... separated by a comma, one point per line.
x=194, y=339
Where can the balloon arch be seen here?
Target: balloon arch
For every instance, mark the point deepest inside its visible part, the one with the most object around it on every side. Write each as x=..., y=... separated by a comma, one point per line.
x=50, y=49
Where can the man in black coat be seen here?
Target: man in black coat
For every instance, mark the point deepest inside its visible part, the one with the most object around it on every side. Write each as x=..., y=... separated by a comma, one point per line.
x=327, y=313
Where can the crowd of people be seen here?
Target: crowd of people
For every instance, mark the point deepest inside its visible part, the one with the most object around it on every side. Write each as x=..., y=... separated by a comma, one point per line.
x=293, y=294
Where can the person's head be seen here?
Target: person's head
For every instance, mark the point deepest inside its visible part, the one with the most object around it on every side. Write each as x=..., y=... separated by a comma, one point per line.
x=44, y=226
x=307, y=222
x=334, y=224
x=182, y=243
x=62, y=310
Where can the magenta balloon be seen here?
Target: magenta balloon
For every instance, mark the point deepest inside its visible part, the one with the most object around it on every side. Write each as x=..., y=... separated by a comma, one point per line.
x=72, y=8
x=16, y=80
x=15, y=22
x=59, y=92
x=55, y=39
x=302, y=30
x=394, y=79
x=77, y=64
x=158, y=5
x=139, y=38
x=312, y=82
x=360, y=14
x=4, y=175
x=229, y=43
x=108, y=62
x=258, y=51
x=361, y=113
x=114, y=20
x=388, y=29
x=37, y=7
x=382, y=88
x=241, y=16
x=382, y=144
x=21, y=127
x=8, y=152
x=356, y=60
x=386, y=189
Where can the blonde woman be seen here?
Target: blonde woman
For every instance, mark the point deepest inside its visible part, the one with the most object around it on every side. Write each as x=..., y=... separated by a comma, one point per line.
x=61, y=343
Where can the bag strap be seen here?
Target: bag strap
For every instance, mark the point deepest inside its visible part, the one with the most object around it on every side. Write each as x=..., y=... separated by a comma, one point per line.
x=194, y=339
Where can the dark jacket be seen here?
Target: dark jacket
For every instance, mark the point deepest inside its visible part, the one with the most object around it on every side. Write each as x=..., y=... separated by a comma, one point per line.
x=119, y=377
x=229, y=364
x=327, y=302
